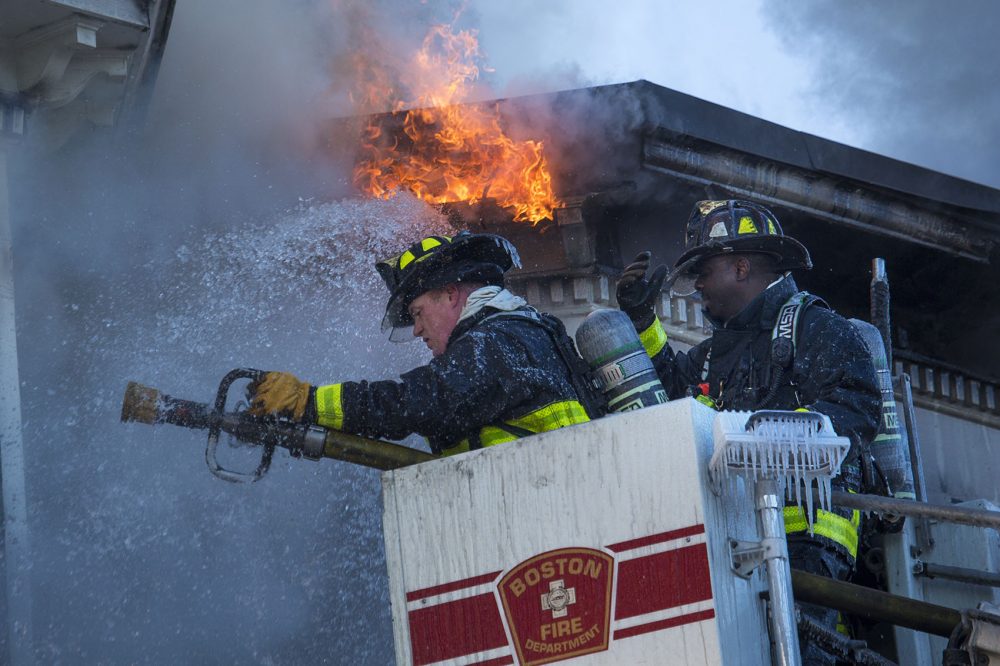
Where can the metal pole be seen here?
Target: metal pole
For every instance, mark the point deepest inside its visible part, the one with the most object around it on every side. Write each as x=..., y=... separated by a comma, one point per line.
x=961, y=574
x=953, y=514
x=17, y=546
x=768, y=497
x=910, y=421
x=879, y=291
x=875, y=604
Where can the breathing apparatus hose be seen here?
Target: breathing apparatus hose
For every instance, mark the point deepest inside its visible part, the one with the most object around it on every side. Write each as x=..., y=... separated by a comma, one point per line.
x=773, y=391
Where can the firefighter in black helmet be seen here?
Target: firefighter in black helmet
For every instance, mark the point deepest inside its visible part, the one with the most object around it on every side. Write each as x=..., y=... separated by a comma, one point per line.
x=499, y=370
x=739, y=260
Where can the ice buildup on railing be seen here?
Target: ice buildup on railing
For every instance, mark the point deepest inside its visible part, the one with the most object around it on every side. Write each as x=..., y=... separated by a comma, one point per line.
x=800, y=447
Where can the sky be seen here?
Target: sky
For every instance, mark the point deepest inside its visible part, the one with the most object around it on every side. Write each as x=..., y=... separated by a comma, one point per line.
x=221, y=235
x=685, y=46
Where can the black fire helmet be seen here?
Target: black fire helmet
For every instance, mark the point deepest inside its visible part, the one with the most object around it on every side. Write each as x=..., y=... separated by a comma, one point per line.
x=733, y=226
x=437, y=261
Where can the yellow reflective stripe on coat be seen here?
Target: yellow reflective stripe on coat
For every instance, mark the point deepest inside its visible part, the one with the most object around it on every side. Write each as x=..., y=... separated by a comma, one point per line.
x=329, y=407
x=654, y=338
x=461, y=447
x=552, y=416
x=828, y=524
x=491, y=436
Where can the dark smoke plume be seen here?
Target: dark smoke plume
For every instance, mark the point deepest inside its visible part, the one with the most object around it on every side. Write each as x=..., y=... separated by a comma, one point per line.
x=919, y=79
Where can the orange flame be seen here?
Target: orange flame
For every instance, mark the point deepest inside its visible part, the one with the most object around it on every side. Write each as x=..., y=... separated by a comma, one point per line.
x=450, y=151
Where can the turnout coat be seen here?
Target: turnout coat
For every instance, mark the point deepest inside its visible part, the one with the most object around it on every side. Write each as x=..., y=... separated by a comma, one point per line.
x=501, y=377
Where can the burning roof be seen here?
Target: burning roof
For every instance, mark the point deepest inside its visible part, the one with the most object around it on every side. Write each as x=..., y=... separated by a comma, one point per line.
x=445, y=151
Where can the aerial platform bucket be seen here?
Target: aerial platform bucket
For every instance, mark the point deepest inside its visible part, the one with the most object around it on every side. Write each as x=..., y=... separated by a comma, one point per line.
x=601, y=543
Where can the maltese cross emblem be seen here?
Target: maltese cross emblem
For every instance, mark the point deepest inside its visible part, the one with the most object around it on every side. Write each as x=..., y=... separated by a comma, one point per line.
x=558, y=598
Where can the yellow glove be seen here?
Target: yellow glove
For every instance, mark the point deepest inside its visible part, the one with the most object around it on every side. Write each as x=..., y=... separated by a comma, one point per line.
x=280, y=394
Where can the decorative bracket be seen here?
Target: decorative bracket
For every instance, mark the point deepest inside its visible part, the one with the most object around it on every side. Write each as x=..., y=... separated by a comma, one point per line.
x=56, y=63
x=44, y=53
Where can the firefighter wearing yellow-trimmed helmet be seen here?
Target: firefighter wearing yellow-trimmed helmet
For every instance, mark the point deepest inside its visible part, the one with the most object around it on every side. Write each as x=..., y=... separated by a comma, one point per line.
x=500, y=370
x=739, y=259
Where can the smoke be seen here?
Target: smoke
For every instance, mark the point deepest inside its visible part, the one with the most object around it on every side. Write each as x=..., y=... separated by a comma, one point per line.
x=912, y=80
x=915, y=79
x=215, y=236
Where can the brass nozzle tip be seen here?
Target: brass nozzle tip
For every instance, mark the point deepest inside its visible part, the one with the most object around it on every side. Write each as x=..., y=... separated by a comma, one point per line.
x=140, y=404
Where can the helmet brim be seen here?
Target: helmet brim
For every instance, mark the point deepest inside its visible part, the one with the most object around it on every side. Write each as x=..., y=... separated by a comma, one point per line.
x=680, y=281
x=789, y=253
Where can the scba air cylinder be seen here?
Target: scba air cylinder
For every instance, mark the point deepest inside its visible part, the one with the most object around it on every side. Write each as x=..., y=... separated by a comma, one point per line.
x=890, y=448
x=608, y=342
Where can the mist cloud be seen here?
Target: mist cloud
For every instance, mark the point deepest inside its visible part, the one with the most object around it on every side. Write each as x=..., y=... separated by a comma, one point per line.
x=216, y=236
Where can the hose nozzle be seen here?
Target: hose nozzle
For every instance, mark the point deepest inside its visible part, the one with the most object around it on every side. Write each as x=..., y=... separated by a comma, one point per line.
x=141, y=404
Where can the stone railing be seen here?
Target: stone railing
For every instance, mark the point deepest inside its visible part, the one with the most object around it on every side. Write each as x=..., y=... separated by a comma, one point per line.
x=573, y=298
x=682, y=318
x=949, y=389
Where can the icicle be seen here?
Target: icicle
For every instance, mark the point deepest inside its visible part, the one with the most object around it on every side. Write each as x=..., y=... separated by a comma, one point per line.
x=809, y=507
x=825, y=485
x=799, y=448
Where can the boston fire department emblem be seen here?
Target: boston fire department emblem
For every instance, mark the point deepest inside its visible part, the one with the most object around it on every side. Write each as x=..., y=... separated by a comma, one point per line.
x=558, y=604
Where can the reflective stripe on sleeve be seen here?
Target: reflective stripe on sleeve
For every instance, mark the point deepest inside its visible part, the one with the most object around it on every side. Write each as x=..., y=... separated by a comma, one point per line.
x=329, y=407
x=828, y=524
x=654, y=338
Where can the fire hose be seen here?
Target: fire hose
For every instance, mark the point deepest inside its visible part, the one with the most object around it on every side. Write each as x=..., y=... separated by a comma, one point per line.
x=143, y=404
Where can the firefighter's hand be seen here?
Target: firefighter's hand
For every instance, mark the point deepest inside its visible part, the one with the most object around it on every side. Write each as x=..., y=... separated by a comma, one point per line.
x=279, y=394
x=637, y=293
